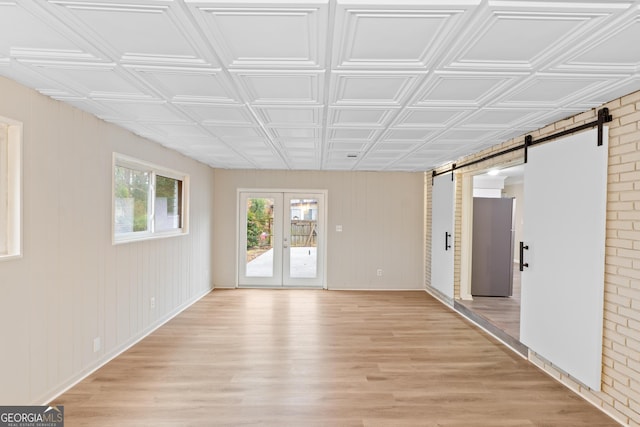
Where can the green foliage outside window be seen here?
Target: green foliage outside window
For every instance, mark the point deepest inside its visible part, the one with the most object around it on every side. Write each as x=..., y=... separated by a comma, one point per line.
x=258, y=221
x=133, y=184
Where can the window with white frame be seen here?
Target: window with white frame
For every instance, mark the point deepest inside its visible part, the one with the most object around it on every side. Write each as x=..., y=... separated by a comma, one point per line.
x=10, y=188
x=149, y=201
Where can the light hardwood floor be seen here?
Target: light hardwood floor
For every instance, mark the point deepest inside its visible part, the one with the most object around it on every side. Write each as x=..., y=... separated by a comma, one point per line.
x=322, y=358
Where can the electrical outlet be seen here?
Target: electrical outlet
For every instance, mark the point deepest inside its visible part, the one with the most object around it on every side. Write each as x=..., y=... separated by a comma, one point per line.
x=96, y=344
x=152, y=303
x=379, y=272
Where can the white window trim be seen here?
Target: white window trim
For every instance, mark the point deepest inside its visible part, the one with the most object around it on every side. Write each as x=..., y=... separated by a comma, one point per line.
x=14, y=189
x=126, y=161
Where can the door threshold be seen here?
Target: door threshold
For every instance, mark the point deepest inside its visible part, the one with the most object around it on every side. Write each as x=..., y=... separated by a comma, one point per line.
x=280, y=287
x=484, y=323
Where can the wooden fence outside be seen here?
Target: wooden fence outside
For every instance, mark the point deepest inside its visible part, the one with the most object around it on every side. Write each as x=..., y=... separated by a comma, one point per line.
x=304, y=233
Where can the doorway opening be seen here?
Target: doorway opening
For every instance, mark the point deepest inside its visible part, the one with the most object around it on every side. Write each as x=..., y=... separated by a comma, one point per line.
x=490, y=291
x=281, y=239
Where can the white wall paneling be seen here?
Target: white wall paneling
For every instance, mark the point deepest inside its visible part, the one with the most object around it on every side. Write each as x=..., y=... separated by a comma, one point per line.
x=381, y=216
x=72, y=285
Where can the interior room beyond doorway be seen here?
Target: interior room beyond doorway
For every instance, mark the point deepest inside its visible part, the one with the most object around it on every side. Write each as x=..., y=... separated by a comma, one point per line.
x=496, y=304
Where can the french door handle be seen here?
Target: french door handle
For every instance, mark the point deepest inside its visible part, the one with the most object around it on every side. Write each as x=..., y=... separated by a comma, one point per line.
x=522, y=249
x=447, y=246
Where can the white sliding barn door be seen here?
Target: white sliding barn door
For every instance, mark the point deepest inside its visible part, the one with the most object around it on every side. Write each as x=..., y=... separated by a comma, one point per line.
x=563, y=287
x=442, y=209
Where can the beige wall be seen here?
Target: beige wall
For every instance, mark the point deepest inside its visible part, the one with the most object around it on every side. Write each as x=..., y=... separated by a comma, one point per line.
x=620, y=395
x=72, y=285
x=381, y=215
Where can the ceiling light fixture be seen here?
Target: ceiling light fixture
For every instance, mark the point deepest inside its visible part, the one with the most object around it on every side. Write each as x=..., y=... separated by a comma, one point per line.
x=493, y=172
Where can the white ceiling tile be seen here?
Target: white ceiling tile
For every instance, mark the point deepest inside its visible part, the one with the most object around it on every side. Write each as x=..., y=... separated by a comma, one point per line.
x=308, y=153
x=290, y=116
x=245, y=143
x=233, y=131
x=427, y=117
x=181, y=130
x=407, y=134
x=301, y=84
x=351, y=134
x=267, y=36
x=217, y=114
x=395, y=146
x=499, y=117
x=299, y=146
x=461, y=89
x=378, y=160
x=348, y=146
x=280, y=87
x=295, y=132
x=144, y=111
x=373, y=117
x=518, y=38
x=610, y=51
x=521, y=35
x=341, y=157
x=135, y=32
x=25, y=36
x=372, y=89
x=551, y=90
x=184, y=85
x=93, y=80
x=404, y=37
x=466, y=135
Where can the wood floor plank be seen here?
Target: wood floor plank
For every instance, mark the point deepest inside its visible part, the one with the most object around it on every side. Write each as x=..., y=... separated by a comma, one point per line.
x=322, y=358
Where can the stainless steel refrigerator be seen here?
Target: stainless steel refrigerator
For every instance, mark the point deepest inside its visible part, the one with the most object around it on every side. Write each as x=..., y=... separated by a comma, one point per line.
x=493, y=240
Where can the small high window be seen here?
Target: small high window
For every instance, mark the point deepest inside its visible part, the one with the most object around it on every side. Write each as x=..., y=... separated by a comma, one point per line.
x=148, y=201
x=10, y=188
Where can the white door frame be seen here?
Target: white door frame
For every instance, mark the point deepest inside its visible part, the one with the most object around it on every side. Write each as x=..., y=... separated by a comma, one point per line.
x=322, y=234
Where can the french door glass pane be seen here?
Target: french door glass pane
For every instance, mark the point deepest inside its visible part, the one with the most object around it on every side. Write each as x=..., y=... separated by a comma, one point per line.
x=304, y=236
x=260, y=237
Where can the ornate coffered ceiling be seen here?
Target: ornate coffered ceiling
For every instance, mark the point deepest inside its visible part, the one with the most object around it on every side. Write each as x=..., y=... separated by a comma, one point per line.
x=325, y=84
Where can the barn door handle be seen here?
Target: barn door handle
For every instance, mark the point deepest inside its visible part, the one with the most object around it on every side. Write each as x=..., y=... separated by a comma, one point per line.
x=522, y=249
x=447, y=246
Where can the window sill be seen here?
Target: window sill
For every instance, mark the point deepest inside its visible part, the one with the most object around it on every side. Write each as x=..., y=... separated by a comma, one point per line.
x=10, y=257
x=138, y=237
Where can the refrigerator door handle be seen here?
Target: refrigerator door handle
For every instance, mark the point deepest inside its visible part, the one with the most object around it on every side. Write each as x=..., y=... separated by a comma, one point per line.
x=522, y=249
x=447, y=246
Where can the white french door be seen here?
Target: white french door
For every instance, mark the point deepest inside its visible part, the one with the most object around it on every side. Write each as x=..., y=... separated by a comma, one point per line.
x=563, y=248
x=281, y=239
x=442, y=219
